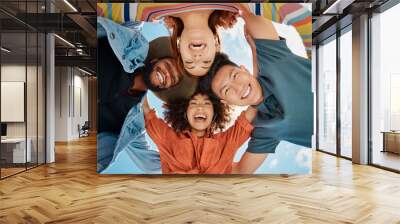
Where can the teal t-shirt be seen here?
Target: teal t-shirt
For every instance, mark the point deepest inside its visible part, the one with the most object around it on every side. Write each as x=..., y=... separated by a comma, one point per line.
x=287, y=110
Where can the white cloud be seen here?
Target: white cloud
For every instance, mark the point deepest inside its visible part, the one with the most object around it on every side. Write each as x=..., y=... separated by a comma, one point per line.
x=273, y=163
x=293, y=38
x=303, y=158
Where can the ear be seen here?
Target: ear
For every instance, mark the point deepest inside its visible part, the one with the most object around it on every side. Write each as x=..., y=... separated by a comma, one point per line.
x=178, y=43
x=217, y=44
x=244, y=68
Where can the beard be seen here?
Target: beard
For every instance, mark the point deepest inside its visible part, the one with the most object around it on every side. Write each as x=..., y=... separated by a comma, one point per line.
x=146, y=71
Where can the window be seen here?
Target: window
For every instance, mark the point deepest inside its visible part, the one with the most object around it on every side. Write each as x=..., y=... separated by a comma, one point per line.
x=327, y=96
x=346, y=93
x=385, y=89
x=22, y=75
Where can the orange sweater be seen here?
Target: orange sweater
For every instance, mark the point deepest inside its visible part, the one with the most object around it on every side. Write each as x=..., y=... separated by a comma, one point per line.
x=187, y=154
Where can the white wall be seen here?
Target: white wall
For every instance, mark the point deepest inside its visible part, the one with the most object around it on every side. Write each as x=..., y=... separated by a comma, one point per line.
x=79, y=117
x=69, y=82
x=61, y=103
x=17, y=72
x=33, y=126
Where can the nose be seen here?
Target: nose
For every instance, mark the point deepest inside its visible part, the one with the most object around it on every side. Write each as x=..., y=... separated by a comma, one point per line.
x=199, y=107
x=197, y=55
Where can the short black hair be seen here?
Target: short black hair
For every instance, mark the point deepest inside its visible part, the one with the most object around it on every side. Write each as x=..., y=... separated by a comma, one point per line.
x=220, y=60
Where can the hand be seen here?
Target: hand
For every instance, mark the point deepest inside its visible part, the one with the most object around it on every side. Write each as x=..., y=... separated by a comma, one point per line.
x=169, y=22
x=227, y=19
x=146, y=106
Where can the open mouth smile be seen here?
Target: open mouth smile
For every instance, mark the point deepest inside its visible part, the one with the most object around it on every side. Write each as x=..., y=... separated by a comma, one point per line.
x=166, y=76
x=161, y=78
x=247, y=92
x=197, y=45
x=200, y=117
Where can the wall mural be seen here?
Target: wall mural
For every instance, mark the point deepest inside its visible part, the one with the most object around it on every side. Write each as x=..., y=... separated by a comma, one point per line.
x=204, y=88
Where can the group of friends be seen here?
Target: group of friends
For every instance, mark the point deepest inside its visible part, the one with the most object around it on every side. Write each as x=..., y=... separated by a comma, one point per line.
x=199, y=84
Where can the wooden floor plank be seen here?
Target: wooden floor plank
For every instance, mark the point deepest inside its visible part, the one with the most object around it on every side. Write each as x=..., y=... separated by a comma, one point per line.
x=70, y=191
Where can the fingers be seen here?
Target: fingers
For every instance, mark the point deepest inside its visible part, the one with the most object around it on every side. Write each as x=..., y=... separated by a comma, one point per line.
x=169, y=22
x=228, y=19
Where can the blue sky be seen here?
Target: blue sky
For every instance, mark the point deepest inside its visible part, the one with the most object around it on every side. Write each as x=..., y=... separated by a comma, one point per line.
x=288, y=158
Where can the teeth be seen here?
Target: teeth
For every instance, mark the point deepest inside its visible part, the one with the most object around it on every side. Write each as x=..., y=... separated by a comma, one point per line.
x=200, y=116
x=197, y=46
x=246, y=94
x=160, y=78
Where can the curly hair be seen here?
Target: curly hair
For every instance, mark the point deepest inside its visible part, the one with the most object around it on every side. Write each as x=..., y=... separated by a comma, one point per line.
x=175, y=114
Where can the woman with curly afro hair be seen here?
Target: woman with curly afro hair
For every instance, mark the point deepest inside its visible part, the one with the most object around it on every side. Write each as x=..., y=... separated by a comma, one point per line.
x=188, y=141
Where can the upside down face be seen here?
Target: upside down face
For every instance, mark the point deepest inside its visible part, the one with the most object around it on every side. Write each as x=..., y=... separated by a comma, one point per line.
x=198, y=48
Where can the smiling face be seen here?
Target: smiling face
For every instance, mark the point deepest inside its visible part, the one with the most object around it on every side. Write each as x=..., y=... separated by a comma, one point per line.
x=200, y=113
x=165, y=73
x=197, y=49
x=236, y=86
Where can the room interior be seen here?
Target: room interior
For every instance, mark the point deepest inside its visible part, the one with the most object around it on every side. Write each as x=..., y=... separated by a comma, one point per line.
x=48, y=92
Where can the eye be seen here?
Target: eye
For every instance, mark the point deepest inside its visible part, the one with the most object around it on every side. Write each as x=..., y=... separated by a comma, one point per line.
x=207, y=103
x=226, y=91
x=189, y=62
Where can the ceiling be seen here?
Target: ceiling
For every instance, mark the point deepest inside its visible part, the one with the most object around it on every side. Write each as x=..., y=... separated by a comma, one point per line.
x=72, y=20
x=330, y=15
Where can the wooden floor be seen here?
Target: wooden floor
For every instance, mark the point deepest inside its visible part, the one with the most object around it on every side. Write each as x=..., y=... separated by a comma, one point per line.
x=5, y=172
x=70, y=191
x=387, y=159
x=10, y=171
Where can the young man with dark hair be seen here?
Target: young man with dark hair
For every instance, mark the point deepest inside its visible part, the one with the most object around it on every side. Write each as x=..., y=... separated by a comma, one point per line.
x=128, y=65
x=280, y=90
x=119, y=91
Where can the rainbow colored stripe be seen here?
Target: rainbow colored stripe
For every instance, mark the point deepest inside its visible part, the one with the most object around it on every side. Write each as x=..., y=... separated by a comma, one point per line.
x=124, y=12
x=294, y=14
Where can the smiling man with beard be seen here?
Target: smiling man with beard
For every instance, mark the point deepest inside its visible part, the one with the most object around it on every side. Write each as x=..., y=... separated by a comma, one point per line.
x=121, y=92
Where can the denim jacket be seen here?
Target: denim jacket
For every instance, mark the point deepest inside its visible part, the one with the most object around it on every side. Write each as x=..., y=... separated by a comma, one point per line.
x=128, y=43
x=133, y=142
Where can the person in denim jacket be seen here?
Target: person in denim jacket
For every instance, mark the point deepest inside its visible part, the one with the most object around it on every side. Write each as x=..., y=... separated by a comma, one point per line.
x=128, y=65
